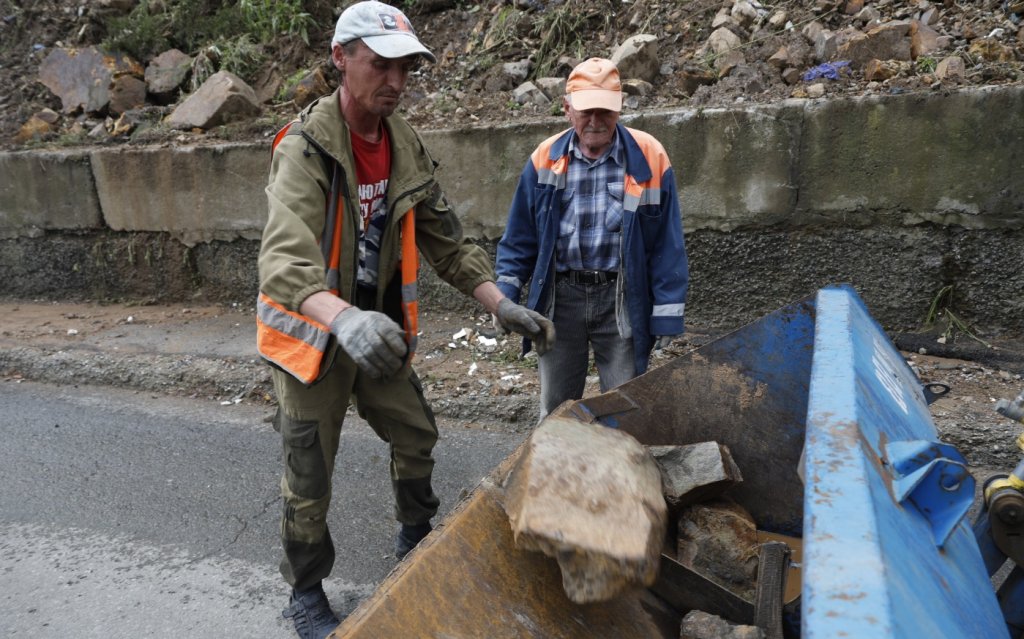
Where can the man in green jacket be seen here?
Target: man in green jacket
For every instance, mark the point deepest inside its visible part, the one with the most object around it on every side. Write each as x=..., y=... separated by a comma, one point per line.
x=352, y=200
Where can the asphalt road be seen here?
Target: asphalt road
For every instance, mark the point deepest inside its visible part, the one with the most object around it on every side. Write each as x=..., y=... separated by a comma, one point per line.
x=127, y=514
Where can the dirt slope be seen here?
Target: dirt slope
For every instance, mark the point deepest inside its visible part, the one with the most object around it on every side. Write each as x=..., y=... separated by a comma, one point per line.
x=474, y=40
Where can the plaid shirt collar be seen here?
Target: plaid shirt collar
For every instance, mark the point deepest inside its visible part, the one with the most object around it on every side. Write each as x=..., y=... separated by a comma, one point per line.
x=616, y=152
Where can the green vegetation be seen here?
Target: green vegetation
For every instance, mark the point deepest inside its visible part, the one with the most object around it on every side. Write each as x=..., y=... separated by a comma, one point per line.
x=926, y=64
x=565, y=30
x=941, y=311
x=230, y=36
x=268, y=19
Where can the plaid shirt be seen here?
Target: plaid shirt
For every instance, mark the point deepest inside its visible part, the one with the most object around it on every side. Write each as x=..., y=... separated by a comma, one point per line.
x=591, y=223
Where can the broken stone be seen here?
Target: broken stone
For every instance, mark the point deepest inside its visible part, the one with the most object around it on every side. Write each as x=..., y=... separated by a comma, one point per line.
x=812, y=30
x=166, y=73
x=816, y=90
x=718, y=539
x=48, y=115
x=791, y=75
x=780, y=59
x=695, y=472
x=590, y=496
x=518, y=71
x=126, y=93
x=923, y=40
x=530, y=93
x=310, y=87
x=722, y=41
x=951, y=68
x=744, y=13
x=867, y=17
x=223, y=98
x=992, y=50
x=554, y=88
x=722, y=18
x=82, y=78
x=698, y=624
x=692, y=78
x=853, y=7
x=637, y=87
x=637, y=57
x=826, y=45
x=878, y=70
x=35, y=128
x=885, y=42
x=778, y=19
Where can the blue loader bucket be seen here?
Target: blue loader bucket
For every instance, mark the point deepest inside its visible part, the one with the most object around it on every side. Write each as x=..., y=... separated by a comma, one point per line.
x=832, y=433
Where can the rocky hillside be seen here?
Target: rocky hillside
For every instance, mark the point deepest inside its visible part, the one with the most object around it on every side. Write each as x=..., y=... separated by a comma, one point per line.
x=124, y=71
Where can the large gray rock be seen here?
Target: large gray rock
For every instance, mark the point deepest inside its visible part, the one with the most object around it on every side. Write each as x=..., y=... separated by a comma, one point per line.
x=637, y=57
x=590, y=496
x=695, y=472
x=166, y=73
x=83, y=78
x=223, y=98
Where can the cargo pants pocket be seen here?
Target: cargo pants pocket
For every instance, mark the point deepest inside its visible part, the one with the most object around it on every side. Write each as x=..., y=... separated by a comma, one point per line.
x=305, y=470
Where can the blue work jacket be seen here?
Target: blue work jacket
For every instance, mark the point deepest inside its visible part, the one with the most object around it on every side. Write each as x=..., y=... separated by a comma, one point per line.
x=653, y=268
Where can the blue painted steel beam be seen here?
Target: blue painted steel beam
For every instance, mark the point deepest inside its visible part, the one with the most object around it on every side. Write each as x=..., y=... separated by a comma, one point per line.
x=886, y=552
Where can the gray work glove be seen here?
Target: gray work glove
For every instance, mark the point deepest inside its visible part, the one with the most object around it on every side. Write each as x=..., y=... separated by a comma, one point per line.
x=373, y=340
x=530, y=324
x=661, y=341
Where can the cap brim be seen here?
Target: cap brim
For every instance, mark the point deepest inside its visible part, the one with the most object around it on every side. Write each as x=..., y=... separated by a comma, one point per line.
x=394, y=45
x=586, y=99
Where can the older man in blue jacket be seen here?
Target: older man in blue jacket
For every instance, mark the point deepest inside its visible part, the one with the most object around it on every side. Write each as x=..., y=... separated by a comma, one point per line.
x=595, y=231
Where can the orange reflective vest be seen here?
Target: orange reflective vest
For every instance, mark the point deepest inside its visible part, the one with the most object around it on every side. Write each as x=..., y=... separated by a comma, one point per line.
x=298, y=344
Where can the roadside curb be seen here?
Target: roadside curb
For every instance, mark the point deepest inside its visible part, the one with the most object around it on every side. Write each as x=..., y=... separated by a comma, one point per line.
x=190, y=375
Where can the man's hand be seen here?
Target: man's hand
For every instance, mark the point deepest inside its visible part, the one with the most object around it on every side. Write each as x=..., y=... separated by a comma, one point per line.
x=661, y=341
x=513, y=317
x=373, y=340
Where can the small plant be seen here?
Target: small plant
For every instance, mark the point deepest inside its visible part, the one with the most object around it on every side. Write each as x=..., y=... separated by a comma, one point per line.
x=141, y=33
x=289, y=84
x=241, y=56
x=926, y=64
x=564, y=30
x=940, y=310
x=268, y=19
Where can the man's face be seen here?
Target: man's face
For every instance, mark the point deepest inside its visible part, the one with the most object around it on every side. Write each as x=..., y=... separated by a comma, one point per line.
x=374, y=84
x=595, y=128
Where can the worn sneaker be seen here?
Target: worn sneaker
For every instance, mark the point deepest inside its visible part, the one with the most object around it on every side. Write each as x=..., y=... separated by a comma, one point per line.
x=408, y=537
x=311, y=613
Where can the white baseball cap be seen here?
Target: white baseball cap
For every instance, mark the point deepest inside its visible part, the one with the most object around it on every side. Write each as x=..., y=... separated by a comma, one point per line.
x=381, y=27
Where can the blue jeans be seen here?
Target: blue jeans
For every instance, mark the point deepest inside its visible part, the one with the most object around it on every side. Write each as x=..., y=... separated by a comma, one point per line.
x=584, y=317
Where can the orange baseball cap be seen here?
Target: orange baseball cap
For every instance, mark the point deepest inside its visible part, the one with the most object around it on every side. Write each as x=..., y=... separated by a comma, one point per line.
x=594, y=84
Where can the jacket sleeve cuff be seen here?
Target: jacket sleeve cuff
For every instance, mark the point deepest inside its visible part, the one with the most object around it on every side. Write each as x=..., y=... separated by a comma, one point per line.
x=667, y=326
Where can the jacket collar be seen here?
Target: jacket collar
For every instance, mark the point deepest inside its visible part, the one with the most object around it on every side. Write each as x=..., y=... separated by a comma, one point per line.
x=323, y=124
x=636, y=163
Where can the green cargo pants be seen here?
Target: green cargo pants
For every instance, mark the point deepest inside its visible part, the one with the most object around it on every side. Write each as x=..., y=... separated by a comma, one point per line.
x=309, y=420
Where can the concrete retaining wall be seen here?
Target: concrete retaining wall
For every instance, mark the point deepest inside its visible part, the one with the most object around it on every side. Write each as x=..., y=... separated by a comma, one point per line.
x=899, y=195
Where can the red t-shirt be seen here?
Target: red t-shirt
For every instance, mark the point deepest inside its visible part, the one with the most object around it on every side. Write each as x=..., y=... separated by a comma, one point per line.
x=373, y=168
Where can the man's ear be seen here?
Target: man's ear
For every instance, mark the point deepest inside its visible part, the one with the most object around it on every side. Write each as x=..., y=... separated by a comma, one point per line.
x=338, y=57
x=566, y=106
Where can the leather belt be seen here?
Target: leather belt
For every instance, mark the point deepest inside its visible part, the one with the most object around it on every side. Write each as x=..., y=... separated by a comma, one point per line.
x=587, y=277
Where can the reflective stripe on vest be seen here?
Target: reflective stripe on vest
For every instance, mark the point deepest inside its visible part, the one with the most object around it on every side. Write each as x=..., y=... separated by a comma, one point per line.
x=297, y=343
x=293, y=341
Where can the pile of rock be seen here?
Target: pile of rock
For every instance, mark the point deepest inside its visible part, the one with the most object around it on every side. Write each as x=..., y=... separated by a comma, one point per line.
x=110, y=94
x=607, y=509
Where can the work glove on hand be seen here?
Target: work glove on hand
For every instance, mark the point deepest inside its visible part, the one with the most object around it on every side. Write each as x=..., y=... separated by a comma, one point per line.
x=661, y=341
x=530, y=324
x=373, y=340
